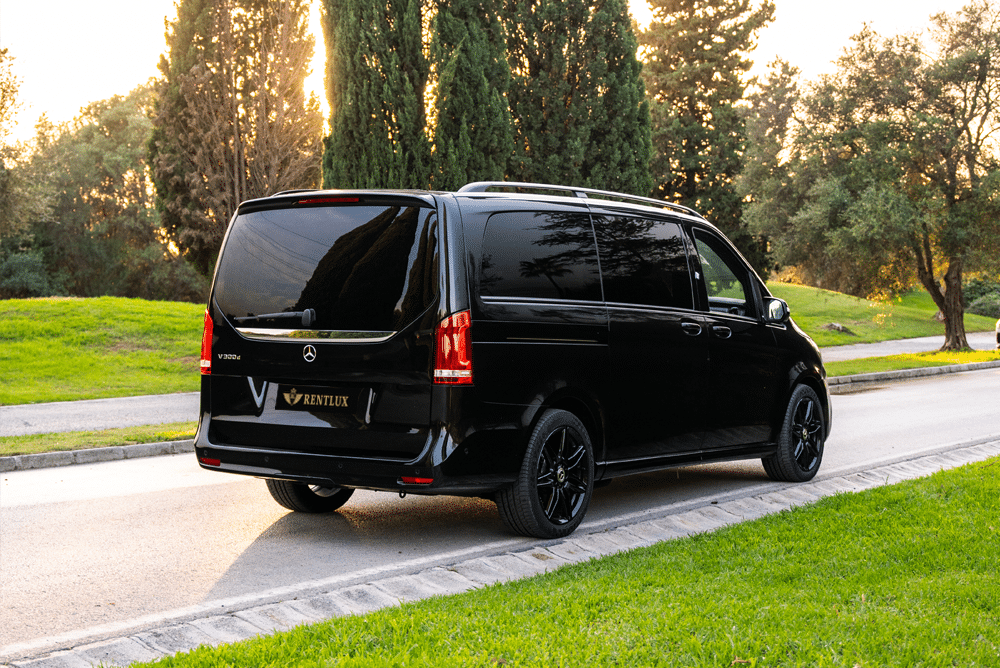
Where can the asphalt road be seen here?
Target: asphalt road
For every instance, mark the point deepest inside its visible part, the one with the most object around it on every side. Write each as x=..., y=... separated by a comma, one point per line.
x=104, y=544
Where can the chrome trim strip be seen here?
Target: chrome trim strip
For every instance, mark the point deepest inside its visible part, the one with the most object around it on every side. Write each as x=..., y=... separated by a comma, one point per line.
x=314, y=335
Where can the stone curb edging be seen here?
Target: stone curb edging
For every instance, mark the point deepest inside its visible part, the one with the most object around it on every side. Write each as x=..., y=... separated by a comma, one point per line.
x=94, y=455
x=482, y=571
x=838, y=384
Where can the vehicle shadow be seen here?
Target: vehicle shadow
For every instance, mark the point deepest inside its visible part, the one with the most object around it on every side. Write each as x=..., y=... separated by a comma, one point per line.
x=381, y=531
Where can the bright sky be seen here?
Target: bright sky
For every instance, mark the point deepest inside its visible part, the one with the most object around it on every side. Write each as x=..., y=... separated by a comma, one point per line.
x=71, y=52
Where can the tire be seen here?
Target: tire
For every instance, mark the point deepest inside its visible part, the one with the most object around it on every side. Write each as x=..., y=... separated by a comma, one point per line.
x=556, y=480
x=304, y=498
x=800, y=442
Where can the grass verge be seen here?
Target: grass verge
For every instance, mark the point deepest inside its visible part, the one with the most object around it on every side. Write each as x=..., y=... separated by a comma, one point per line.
x=903, y=575
x=84, y=440
x=909, y=361
x=907, y=317
x=62, y=349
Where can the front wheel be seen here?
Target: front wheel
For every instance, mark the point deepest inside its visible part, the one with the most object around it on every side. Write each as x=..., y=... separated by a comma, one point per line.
x=304, y=498
x=800, y=442
x=556, y=480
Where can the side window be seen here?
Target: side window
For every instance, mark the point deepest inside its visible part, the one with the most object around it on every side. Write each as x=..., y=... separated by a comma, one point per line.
x=643, y=261
x=543, y=255
x=725, y=280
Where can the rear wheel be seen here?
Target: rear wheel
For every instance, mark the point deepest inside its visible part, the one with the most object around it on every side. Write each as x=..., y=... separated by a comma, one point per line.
x=556, y=480
x=304, y=498
x=800, y=442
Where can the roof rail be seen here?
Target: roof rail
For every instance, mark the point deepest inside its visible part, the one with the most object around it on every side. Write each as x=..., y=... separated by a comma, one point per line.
x=583, y=193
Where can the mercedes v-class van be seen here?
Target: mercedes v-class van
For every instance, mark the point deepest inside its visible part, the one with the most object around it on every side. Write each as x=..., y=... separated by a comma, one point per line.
x=519, y=342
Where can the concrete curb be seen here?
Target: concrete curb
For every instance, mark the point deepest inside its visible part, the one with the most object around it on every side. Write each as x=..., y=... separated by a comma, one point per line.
x=841, y=384
x=261, y=620
x=93, y=455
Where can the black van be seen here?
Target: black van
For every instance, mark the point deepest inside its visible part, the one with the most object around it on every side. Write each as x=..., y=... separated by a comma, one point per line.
x=519, y=342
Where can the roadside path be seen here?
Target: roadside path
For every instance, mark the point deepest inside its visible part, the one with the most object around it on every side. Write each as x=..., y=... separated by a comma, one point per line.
x=924, y=344
x=97, y=414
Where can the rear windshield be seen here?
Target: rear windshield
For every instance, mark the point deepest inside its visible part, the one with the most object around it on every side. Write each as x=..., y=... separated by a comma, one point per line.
x=357, y=267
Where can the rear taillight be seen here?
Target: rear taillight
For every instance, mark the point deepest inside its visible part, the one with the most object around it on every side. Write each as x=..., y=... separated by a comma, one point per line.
x=206, y=345
x=453, y=348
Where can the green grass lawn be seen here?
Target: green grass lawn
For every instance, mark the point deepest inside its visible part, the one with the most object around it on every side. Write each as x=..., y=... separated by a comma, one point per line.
x=910, y=361
x=910, y=316
x=66, y=349
x=903, y=576
x=83, y=440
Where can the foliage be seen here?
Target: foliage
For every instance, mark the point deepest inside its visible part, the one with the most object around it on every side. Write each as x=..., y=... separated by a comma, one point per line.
x=979, y=287
x=987, y=305
x=100, y=233
x=696, y=67
x=376, y=79
x=24, y=275
x=895, y=167
x=232, y=120
x=20, y=200
x=472, y=129
x=69, y=349
x=855, y=579
x=105, y=438
x=577, y=98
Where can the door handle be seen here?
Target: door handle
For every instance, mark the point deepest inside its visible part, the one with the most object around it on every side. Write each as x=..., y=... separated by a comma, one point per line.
x=691, y=328
x=722, y=332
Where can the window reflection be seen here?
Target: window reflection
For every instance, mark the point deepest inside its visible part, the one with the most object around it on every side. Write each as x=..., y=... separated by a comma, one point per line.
x=643, y=261
x=540, y=255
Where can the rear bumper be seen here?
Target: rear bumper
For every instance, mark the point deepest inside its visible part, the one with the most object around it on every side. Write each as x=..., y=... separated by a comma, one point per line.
x=476, y=463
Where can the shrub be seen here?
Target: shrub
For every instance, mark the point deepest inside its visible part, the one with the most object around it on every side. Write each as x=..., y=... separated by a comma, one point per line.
x=978, y=288
x=24, y=275
x=987, y=305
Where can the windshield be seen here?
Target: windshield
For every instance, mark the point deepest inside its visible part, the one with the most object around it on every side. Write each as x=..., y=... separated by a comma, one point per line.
x=348, y=268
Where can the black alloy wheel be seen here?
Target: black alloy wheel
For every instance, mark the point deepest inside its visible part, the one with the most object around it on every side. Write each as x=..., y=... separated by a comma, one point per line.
x=556, y=480
x=801, y=440
x=304, y=498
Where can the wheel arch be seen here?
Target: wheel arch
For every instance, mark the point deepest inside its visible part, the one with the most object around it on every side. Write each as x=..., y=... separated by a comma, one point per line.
x=813, y=377
x=585, y=408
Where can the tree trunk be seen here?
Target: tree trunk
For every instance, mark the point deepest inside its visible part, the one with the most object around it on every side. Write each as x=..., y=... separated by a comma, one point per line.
x=953, y=311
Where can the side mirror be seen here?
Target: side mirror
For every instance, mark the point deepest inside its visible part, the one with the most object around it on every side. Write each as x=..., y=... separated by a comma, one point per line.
x=775, y=311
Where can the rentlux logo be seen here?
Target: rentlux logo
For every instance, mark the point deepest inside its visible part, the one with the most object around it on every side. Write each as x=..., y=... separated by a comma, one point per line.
x=293, y=398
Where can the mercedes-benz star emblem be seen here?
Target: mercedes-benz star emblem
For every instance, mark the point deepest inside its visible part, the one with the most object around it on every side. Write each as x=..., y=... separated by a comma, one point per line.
x=309, y=353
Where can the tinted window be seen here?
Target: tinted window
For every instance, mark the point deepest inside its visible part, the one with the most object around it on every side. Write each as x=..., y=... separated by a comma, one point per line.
x=643, y=262
x=546, y=255
x=726, y=281
x=367, y=268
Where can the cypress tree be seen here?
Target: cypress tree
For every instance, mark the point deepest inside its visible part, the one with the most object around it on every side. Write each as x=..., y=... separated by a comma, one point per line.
x=472, y=134
x=376, y=78
x=577, y=97
x=695, y=76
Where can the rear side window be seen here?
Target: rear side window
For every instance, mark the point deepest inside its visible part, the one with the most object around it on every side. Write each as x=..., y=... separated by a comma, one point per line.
x=358, y=267
x=543, y=255
x=644, y=262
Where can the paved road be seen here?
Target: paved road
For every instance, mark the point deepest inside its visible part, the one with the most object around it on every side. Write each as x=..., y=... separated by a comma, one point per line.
x=978, y=341
x=98, y=414
x=103, y=545
x=160, y=409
